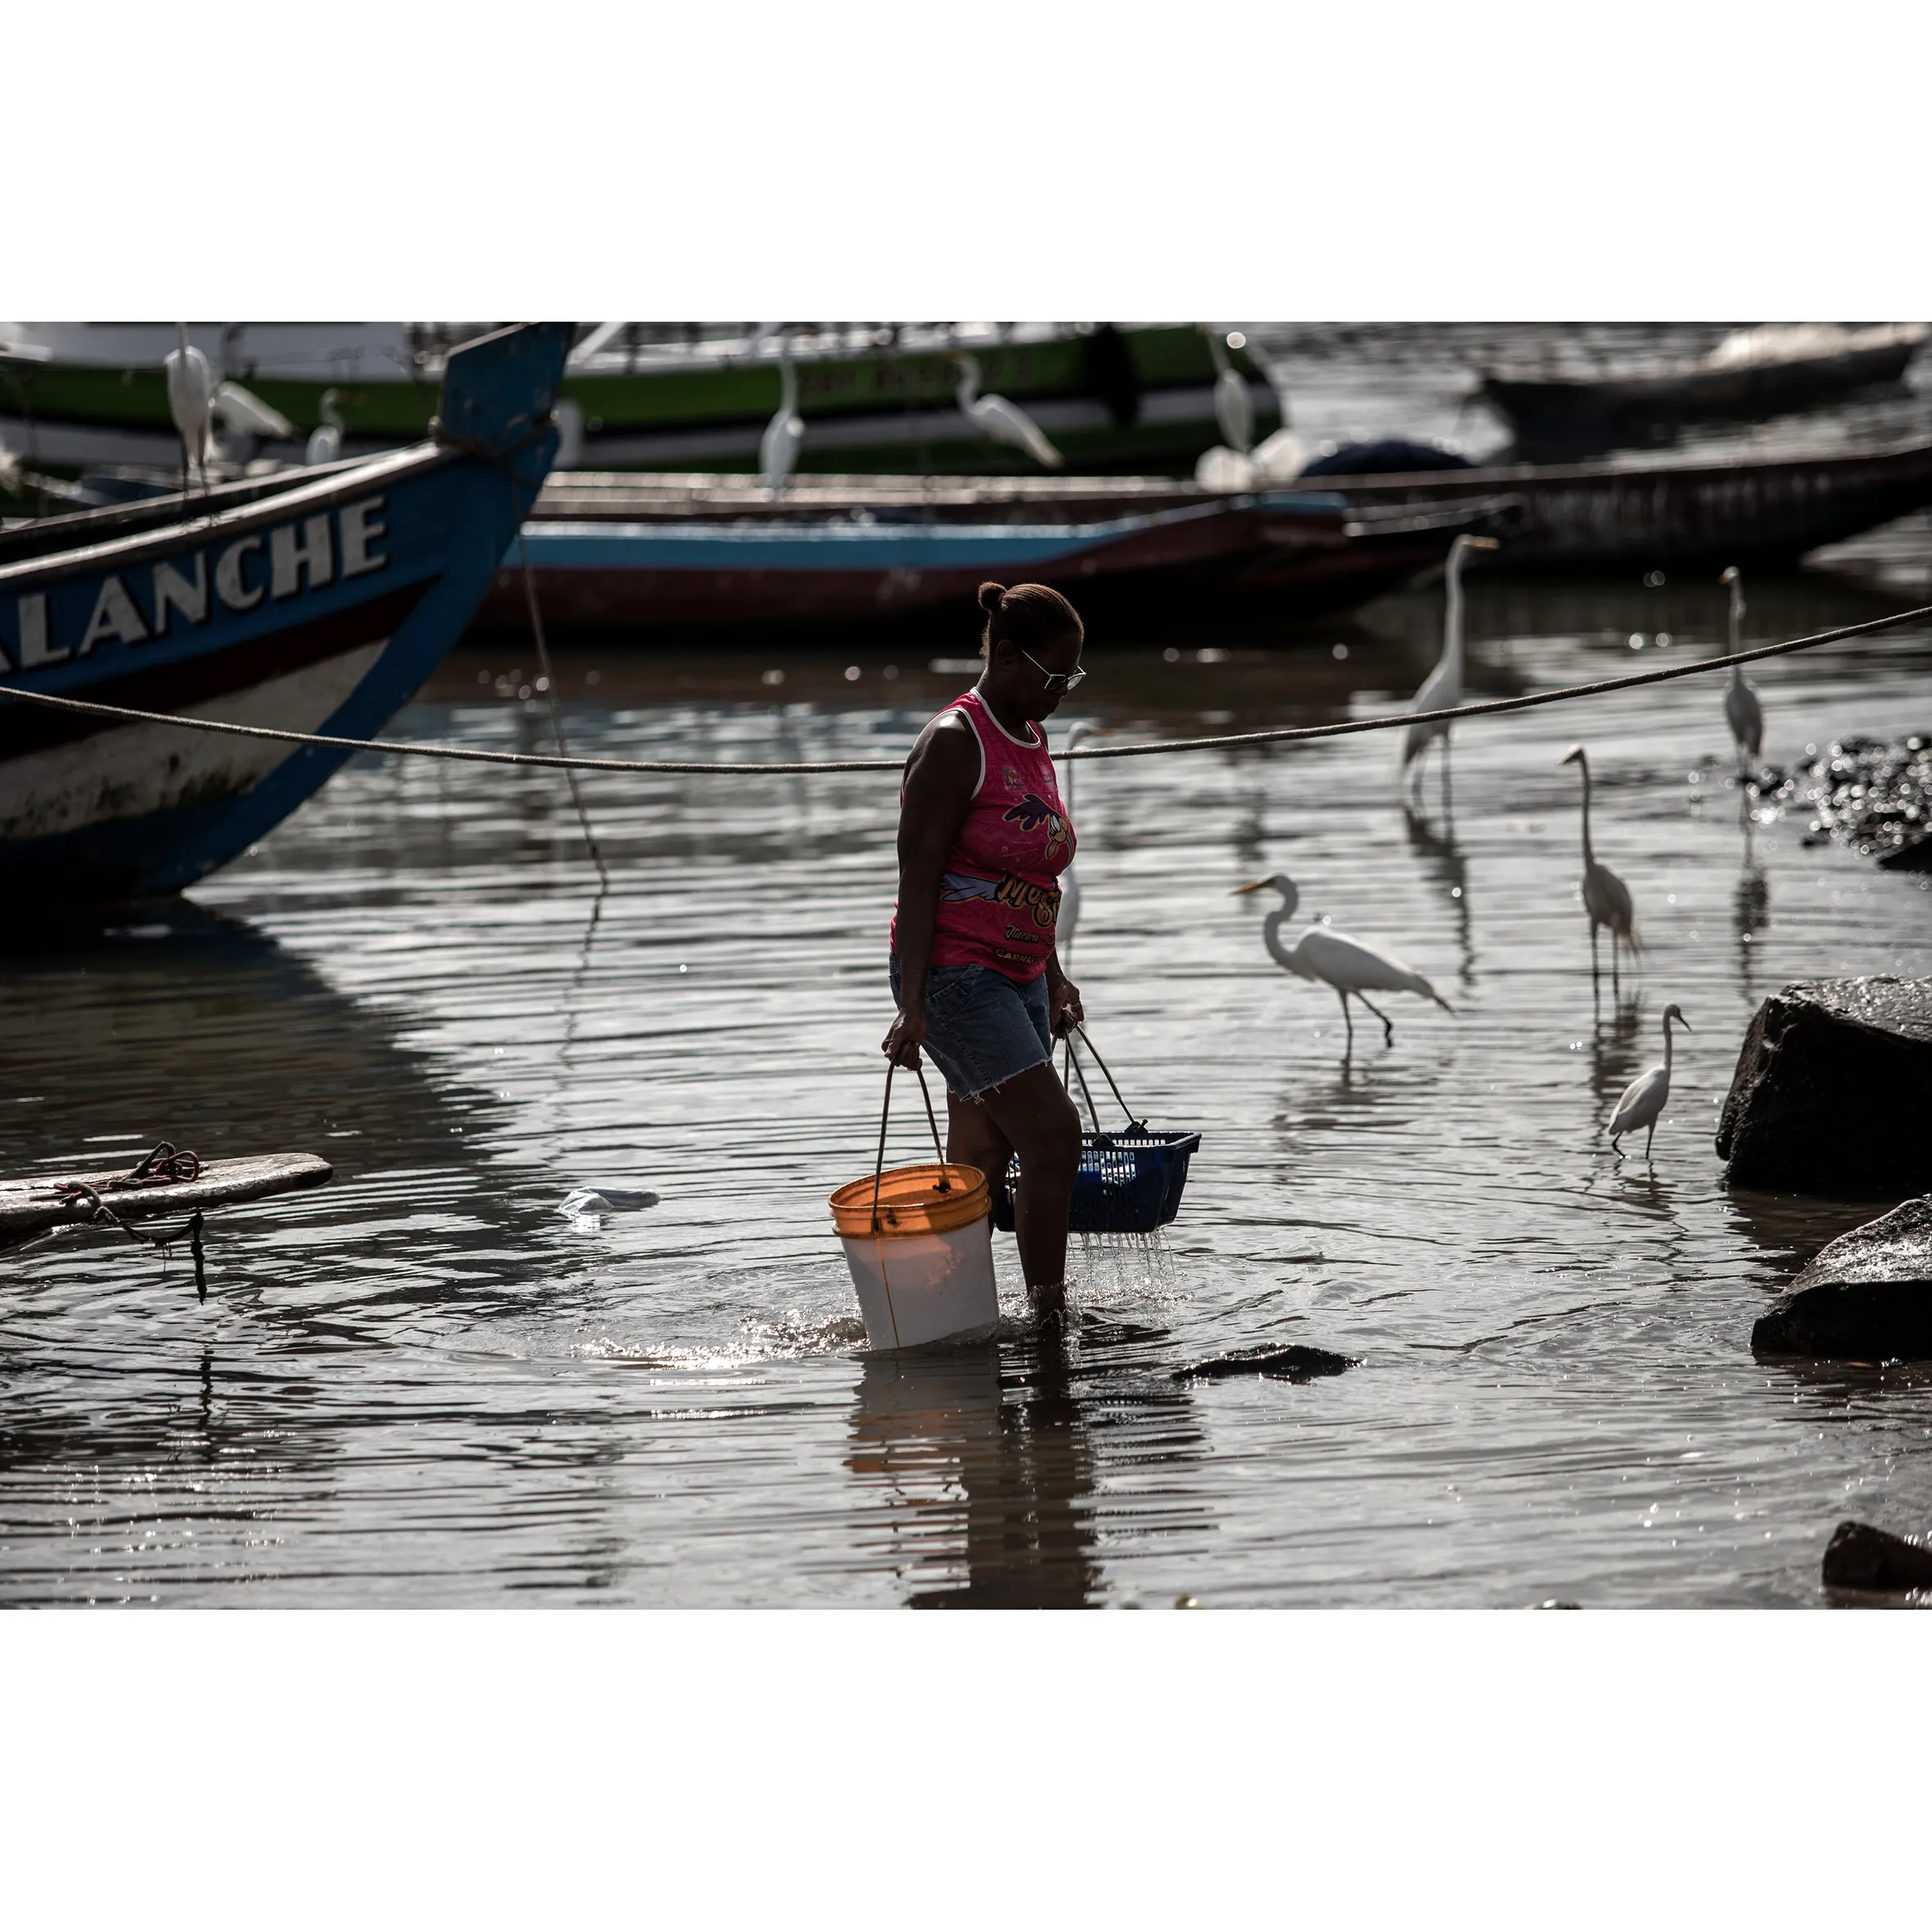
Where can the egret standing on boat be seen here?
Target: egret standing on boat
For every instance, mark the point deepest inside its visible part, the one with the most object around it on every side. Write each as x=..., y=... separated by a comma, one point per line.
x=1001, y=421
x=1744, y=711
x=778, y=448
x=1646, y=1096
x=1348, y=965
x=1606, y=899
x=190, y=392
x=1442, y=689
x=325, y=442
x=1233, y=407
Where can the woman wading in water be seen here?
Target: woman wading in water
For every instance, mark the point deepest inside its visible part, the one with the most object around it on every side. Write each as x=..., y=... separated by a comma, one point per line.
x=982, y=841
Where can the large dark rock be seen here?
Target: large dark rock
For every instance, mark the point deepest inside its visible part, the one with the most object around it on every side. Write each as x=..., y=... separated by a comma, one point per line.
x=1866, y=1296
x=1833, y=1090
x=1859, y=1557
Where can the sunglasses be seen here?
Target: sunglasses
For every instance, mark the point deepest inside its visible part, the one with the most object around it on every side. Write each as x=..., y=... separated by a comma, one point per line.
x=1066, y=680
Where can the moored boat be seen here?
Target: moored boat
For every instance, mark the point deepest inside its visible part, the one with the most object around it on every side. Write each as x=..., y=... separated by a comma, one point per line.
x=876, y=557
x=1751, y=374
x=1636, y=513
x=870, y=397
x=317, y=601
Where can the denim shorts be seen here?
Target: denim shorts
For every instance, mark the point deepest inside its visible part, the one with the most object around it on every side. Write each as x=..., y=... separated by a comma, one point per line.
x=982, y=1028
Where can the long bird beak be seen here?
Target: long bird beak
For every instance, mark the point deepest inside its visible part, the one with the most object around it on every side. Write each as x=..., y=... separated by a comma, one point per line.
x=1484, y=543
x=1256, y=886
x=1571, y=756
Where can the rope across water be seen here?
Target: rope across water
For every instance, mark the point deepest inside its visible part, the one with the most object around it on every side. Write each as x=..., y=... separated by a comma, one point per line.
x=1286, y=735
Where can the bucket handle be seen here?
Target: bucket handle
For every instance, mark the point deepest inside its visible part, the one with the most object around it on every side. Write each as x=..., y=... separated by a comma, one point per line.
x=1129, y=1112
x=945, y=1186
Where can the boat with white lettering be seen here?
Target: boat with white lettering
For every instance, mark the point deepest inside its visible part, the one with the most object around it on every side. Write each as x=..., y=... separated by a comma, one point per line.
x=315, y=601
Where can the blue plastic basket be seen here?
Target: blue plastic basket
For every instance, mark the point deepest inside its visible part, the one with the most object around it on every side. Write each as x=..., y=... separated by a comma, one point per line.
x=1128, y=1183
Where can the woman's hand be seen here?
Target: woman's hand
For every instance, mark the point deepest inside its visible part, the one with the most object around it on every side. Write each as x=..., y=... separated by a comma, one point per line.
x=1064, y=1011
x=903, y=1038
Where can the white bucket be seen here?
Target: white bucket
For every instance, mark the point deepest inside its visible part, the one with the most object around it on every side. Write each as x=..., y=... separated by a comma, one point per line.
x=921, y=1260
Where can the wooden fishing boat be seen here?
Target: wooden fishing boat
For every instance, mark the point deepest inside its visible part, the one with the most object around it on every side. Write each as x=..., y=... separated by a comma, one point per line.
x=1634, y=513
x=1752, y=375
x=315, y=601
x=749, y=562
x=871, y=397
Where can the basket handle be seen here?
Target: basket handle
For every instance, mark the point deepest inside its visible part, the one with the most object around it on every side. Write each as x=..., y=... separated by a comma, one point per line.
x=1129, y=1112
x=945, y=1186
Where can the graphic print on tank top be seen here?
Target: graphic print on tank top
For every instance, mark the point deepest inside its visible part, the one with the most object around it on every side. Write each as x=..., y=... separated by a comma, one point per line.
x=999, y=897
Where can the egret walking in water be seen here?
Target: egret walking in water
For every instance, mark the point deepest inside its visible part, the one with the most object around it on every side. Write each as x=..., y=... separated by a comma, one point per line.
x=1606, y=899
x=190, y=394
x=1442, y=689
x=1001, y=421
x=1744, y=711
x=1646, y=1096
x=778, y=448
x=1334, y=959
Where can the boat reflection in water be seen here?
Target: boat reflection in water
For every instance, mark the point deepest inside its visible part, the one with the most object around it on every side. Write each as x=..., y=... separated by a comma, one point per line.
x=989, y=1465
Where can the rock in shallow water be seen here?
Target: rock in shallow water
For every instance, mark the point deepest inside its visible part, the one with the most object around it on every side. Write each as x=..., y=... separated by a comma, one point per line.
x=1859, y=1557
x=1866, y=1296
x=1288, y=1364
x=1830, y=1092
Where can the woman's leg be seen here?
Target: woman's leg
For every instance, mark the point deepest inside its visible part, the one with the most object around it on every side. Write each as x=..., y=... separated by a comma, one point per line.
x=1031, y=1115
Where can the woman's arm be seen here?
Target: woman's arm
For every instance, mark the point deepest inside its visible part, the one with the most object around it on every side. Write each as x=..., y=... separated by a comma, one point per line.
x=1063, y=1008
x=941, y=778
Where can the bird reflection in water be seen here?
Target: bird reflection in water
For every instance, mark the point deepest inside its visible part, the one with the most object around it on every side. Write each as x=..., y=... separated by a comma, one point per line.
x=1615, y=1048
x=1750, y=915
x=1443, y=863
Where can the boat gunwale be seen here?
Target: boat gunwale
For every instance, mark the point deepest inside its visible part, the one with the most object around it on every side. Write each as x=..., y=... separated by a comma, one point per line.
x=55, y=566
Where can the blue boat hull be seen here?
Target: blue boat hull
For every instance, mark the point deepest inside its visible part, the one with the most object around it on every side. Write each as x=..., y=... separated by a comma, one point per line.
x=320, y=608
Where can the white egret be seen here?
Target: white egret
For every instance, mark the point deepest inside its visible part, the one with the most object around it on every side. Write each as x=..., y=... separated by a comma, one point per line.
x=325, y=442
x=1070, y=878
x=1233, y=407
x=1744, y=711
x=1606, y=899
x=190, y=394
x=1442, y=689
x=778, y=448
x=1001, y=421
x=1348, y=965
x=1644, y=1099
x=242, y=413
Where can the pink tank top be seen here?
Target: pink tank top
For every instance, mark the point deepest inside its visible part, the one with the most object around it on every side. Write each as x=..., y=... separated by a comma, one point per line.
x=999, y=899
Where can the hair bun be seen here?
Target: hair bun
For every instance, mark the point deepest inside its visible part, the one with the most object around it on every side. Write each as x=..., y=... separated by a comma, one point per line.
x=989, y=597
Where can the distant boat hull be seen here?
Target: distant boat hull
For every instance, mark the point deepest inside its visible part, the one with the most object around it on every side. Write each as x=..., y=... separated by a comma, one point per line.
x=320, y=606
x=1643, y=516
x=1559, y=415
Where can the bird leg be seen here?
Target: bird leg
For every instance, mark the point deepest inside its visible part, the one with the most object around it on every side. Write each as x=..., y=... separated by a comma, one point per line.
x=1594, y=968
x=1388, y=1032
x=1348, y=1022
x=1616, y=1145
x=1650, y=1135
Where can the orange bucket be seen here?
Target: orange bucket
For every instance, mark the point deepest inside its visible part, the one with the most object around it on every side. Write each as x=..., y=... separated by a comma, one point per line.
x=918, y=1242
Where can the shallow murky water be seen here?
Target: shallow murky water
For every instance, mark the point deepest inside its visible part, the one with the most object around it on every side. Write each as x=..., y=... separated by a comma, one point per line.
x=425, y=1385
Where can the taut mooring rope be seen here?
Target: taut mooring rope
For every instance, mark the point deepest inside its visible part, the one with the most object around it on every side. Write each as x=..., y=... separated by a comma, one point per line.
x=1287, y=734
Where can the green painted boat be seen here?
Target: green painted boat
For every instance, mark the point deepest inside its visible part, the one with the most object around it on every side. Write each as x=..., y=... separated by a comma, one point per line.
x=872, y=397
